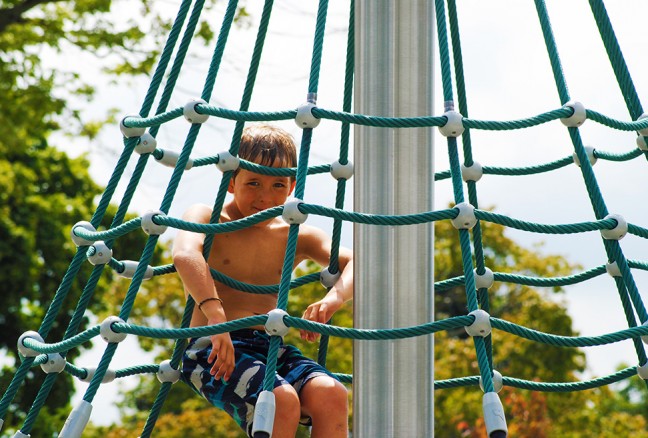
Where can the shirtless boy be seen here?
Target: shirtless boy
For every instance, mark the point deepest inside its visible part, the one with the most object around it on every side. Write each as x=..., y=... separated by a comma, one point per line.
x=228, y=369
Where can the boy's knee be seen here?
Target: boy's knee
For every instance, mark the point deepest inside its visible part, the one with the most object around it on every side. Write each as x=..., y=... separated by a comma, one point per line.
x=287, y=405
x=325, y=394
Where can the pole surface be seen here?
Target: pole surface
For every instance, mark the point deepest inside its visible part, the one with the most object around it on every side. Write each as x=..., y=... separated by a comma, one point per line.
x=394, y=174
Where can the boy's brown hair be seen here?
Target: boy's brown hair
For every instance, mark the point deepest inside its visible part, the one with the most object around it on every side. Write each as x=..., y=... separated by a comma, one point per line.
x=268, y=145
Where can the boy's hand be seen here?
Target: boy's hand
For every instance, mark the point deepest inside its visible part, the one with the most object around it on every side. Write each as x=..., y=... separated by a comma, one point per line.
x=321, y=311
x=222, y=356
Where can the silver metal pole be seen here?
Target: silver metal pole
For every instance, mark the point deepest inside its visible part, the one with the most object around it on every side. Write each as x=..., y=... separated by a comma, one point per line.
x=393, y=380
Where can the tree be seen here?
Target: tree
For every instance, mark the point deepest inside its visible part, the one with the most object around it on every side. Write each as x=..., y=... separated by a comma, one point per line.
x=43, y=192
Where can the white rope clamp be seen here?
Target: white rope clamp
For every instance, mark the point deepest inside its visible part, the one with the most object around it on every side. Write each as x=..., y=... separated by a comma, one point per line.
x=108, y=334
x=342, y=171
x=494, y=417
x=498, y=381
x=80, y=241
x=618, y=232
x=170, y=159
x=23, y=349
x=166, y=373
x=453, y=126
x=305, y=118
x=481, y=326
x=641, y=143
x=642, y=371
x=76, y=421
x=275, y=325
x=472, y=173
x=227, y=161
x=109, y=375
x=578, y=117
x=466, y=219
x=644, y=338
x=55, y=363
x=101, y=254
x=130, y=266
x=146, y=145
x=264, y=413
x=291, y=213
x=327, y=279
x=484, y=280
x=150, y=227
x=128, y=131
x=613, y=269
x=643, y=132
x=589, y=150
x=191, y=115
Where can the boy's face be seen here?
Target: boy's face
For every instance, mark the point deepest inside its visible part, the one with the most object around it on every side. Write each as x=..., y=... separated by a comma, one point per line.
x=254, y=193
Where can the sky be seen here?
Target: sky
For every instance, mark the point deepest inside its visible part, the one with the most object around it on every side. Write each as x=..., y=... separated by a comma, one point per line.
x=508, y=76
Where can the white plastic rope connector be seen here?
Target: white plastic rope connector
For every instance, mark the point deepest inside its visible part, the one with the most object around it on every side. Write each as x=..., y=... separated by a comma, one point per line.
x=612, y=268
x=264, y=413
x=618, y=232
x=23, y=349
x=130, y=266
x=190, y=113
x=146, y=145
x=498, y=381
x=150, y=227
x=327, y=279
x=275, y=325
x=130, y=132
x=643, y=132
x=466, y=219
x=108, y=377
x=80, y=241
x=641, y=143
x=589, y=150
x=55, y=363
x=305, y=118
x=107, y=333
x=170, y=159
x=472, y=173
x=101, y=253
x=76, y=421
x=227, y=161
x=454, y=124
x=342, y=171
x=642, y=371
x=578, y=117
x=19, y=434
x=484, y=280
x=166, y=373
x=481, y=326
x=494, y=417
x=291, y=213
x=644, y=338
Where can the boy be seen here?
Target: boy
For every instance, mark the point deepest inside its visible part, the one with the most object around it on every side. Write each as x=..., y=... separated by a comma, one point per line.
x=228, y=369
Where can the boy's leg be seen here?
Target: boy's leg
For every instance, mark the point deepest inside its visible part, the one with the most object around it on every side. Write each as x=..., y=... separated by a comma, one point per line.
x=287, y=412
x=325, y=401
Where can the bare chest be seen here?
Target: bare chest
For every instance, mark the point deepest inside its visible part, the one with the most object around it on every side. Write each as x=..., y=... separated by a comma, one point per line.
x=252, y=255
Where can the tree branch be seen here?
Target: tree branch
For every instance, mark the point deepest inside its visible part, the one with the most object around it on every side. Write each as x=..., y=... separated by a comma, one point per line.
x=13, y=15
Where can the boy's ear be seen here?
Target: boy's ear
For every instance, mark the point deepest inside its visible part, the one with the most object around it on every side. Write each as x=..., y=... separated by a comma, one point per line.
x=230, y=187
x=292, y=186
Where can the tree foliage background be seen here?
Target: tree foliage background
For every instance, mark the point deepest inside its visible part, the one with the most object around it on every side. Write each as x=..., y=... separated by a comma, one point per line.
x=43, y=192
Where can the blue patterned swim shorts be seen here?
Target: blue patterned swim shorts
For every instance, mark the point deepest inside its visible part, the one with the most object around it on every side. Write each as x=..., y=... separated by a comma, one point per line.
x=238, y=396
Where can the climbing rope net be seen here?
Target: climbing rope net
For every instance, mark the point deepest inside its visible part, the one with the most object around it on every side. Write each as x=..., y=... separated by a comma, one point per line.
x=140, y=133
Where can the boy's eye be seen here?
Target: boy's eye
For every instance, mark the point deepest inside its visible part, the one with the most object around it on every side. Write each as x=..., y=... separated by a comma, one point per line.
x=280, y=184
x=253, y=183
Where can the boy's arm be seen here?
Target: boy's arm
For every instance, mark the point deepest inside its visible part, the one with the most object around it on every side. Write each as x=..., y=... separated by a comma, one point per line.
x=196, y=277
x=317, y=247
